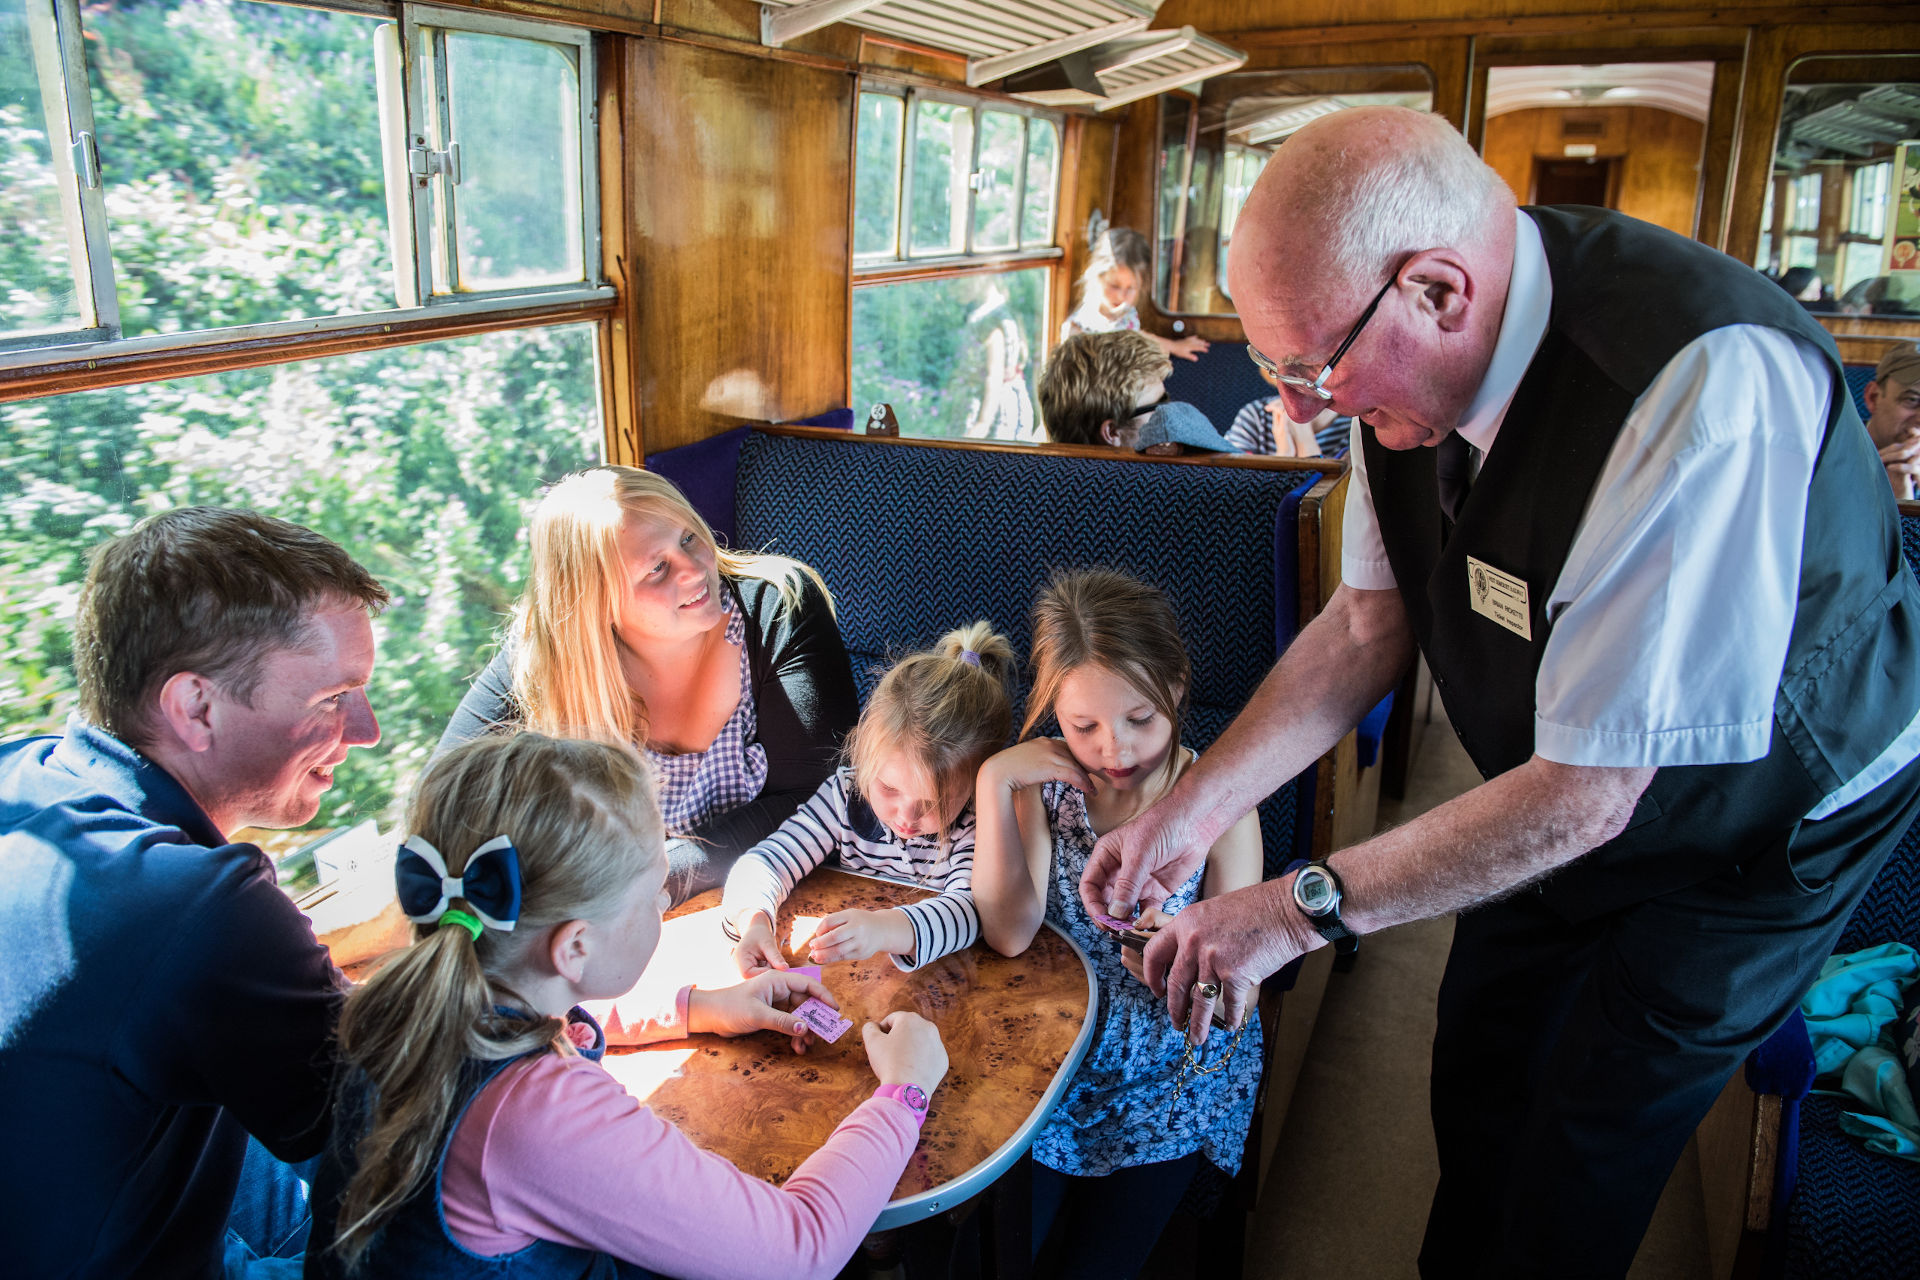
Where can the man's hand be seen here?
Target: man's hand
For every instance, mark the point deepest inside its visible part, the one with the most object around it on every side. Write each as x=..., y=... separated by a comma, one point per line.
x=855, y=934
x=755, y=1005
x=1234, y=941
x=1142, y=863
x=1901, y=457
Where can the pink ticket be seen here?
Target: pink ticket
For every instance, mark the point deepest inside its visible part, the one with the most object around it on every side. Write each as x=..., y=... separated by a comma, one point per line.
x=806, y=971
x=821, y=1017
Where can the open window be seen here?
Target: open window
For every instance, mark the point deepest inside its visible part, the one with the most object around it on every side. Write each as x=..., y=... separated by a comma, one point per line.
x=190, y=173
x=955, y=206
x=59, y=286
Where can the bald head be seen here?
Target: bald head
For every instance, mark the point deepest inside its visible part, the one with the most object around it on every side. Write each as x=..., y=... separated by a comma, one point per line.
x=1351, y=193
x=1350, y=201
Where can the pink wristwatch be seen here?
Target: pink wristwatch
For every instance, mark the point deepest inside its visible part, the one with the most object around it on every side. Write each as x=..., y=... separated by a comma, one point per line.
x=908, y=1096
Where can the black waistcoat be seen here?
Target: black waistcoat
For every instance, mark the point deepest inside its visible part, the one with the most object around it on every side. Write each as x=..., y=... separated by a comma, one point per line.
x=1626, y=298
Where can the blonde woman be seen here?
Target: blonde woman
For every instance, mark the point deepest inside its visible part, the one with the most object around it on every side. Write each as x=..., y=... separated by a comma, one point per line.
x=727, y=670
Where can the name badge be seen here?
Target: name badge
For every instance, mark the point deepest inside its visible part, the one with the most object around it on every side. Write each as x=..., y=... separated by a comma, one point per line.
x=1499, y=596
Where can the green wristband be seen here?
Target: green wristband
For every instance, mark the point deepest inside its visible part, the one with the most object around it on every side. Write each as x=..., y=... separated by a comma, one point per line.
x=470, y=923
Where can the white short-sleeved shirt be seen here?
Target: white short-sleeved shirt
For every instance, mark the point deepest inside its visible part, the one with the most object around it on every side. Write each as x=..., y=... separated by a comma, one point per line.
x=1674, y=608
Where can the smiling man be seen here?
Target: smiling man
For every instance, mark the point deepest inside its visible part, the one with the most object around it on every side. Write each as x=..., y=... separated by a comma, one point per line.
x=1609, y=483
x=162, y=999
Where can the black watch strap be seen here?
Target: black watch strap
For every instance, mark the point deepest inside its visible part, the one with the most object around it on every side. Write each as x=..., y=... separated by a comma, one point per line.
x=1326, y=920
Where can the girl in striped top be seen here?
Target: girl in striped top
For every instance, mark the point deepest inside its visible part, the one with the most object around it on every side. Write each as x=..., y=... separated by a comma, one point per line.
x=901, y=808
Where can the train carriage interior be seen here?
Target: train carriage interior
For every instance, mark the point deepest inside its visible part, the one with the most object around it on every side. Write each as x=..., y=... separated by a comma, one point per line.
x=387, y=270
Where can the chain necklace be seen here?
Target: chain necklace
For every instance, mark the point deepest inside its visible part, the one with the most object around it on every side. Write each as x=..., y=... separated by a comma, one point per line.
x=1190, y=1067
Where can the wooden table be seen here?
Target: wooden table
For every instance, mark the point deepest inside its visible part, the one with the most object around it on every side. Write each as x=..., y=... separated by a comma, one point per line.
x=1015, y=1030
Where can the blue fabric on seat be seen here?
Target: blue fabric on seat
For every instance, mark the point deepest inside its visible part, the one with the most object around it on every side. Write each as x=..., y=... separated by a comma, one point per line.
x=1858, y=376
x=1839, y=1209
x=704, y=471
x=1219, y=384
x=1372, y=728
x=914, y=541
x=1856, y=1215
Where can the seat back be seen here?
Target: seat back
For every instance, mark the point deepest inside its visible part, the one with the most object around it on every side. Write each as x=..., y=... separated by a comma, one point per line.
x=1219, y=384
x=914, y=539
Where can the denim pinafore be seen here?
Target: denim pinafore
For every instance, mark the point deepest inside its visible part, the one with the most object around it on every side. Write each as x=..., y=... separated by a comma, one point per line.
x=415, y=1244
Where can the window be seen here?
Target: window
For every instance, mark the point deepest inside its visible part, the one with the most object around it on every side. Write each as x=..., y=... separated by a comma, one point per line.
x=212, y=165
x=1213, y=147
x=955, y=203
x=423, y=461
x=956, y=356
x=973, y=178
x=1845, y=140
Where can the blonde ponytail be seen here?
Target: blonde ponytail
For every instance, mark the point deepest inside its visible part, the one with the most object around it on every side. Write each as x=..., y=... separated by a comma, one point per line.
x=947, y=708
x=584, y=822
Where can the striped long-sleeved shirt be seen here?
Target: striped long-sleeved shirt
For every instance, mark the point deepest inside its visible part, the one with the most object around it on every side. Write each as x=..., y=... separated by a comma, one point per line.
x=837, y=822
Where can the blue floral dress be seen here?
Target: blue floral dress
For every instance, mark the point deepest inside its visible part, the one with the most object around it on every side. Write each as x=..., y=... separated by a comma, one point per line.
x=1120, y=1108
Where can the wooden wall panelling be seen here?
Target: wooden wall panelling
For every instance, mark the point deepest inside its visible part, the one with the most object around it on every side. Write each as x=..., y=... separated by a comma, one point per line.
x=1248, y=23
x=620, y=357
x=1588, y=48
x=1087, y=165
x=1773, y=51
x=1658, y=152
x=1716, y=152
x=740, y=232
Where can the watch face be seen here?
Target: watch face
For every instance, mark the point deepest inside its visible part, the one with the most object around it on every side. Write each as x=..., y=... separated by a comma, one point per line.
x=912, y=1096
x=1313, y=891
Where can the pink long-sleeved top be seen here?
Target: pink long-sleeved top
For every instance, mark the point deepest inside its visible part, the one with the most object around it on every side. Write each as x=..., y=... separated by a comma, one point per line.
x=555, y=1149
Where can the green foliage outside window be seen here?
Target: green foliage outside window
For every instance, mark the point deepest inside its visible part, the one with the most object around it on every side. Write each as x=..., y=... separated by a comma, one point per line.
x=957, y=356
x=243, y=169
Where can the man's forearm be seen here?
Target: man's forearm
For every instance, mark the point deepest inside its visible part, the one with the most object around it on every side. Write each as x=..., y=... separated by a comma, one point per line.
x=1484, y=844
x=1342, y=664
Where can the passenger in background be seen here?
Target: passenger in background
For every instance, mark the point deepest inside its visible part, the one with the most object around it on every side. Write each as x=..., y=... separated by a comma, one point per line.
x=1263, y=428
x=1117, y=1155
x=901, y=808
x=1893, y=409
x=1098, y=388
x=1118, y=268
x=1804, y=285
x=636, y=627
x=478, y=1133
x=163, y=999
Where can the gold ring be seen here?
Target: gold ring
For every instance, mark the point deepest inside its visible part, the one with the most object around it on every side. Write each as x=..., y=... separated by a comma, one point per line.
x=1206, y=991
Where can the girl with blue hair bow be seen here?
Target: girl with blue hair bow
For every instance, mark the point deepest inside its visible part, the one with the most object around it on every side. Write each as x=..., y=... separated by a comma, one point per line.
x=476, y=1132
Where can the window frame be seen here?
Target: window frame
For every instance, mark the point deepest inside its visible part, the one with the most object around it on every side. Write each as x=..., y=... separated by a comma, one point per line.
x=94, y=272
x=902, y=263
x=45, y=364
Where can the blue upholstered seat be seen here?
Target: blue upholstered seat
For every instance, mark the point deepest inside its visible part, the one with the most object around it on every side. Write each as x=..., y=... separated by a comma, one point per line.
x=1220, y=383
x=914, y=541
x=1858, y=376
x=1841, y=1212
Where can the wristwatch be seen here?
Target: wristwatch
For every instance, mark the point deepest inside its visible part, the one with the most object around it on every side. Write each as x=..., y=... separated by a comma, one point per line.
x=1317, y=891
x=909, y=1096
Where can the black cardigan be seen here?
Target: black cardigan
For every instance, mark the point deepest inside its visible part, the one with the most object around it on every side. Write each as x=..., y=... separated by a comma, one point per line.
x=804, y=699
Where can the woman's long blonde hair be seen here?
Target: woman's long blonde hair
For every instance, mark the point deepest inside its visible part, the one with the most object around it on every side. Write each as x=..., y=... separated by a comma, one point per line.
x=566, y=661
x=943, y=712
x=1104, y=618
x=583, y=818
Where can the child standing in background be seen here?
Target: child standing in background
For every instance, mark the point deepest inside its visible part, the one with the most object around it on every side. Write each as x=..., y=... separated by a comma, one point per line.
x=1119, y=1151
x=1119, y=267
x=902, y=808
x=476, y=1133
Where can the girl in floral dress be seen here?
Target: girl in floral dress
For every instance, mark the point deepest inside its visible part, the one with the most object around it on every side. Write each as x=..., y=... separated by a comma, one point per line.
x=1116, y=1156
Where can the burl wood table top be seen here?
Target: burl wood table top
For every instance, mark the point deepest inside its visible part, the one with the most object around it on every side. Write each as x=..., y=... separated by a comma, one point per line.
x=1015, y=1030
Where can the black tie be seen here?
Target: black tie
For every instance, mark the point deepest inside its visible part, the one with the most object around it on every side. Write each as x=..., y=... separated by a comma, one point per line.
x=1453, y=468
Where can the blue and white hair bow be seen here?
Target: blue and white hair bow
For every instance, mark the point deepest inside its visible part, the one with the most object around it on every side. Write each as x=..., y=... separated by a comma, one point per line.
x=490, y=884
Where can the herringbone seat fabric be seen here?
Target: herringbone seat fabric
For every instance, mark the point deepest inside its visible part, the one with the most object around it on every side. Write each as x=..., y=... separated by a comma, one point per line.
x=914, y=541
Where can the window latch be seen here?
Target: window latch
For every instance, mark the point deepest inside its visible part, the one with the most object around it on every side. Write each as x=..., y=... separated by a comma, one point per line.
x=423, y=162
x=981, y=180
x=86, y=162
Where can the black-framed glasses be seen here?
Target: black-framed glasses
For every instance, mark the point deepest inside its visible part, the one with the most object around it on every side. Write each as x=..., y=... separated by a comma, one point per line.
x=1316, y=386
x=1142, y=411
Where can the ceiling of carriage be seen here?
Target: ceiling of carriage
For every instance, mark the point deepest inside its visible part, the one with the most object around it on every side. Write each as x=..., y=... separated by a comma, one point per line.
x=1681, y=87
x=1116, y=57
x=1855, y=121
